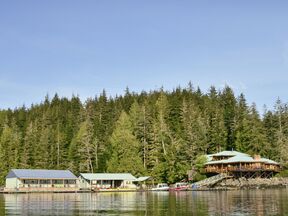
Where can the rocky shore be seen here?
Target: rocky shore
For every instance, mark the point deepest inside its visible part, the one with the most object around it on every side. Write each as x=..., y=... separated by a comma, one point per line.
x=252, y=183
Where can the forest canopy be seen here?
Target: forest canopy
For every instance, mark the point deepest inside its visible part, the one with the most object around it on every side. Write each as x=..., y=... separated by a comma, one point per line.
x=158, y=133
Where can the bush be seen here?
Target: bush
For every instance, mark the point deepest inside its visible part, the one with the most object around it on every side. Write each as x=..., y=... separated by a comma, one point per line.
x=283, y=173
x=199, y=177
x=199, y=168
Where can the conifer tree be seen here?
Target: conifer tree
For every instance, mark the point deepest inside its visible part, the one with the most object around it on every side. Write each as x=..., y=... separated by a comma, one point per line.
x=5, y=141
x=42, y=154
x=251, y=138
x=103, y=127
x=141, y=120
x=9, y=150
x=228, y=102
x=195, y=129
x=270, y=123
x=85, y=146
x=30, y=141
x=281, y=136
x=125, y=148
x=162, y=135
x=216, y=133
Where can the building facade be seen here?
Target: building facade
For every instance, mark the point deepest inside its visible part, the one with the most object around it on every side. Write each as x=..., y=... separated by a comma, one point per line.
x=41, y=180
x=239, y=164
x=104, y=181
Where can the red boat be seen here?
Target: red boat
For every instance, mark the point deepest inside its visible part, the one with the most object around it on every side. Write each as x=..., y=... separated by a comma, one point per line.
x=180, y=186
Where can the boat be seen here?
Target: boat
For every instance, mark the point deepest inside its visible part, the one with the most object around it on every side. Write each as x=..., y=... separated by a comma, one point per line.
x=179, y=186
x=161, y=187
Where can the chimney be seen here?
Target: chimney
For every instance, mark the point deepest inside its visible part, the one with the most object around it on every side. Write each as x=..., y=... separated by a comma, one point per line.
x=257, y=157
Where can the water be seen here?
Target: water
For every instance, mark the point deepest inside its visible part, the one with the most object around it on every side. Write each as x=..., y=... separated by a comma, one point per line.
x=253, y=202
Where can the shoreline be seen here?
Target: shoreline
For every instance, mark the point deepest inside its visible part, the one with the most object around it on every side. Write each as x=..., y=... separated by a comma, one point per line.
x=224, y=185
x=250, y=183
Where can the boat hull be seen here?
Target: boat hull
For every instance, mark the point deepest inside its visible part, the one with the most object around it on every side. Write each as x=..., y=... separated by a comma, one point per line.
x=179, y=189
x=160, y=189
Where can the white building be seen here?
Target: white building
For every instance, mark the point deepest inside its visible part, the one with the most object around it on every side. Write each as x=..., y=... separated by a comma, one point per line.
x=108, y=181
x=40, y=180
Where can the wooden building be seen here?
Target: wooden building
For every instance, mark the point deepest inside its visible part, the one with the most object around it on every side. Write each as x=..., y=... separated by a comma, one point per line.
x=27, y=180
x=104, y=181
x=240, y=164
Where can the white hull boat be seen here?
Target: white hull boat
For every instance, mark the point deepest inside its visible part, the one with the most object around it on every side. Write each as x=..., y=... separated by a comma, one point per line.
x=161, y=187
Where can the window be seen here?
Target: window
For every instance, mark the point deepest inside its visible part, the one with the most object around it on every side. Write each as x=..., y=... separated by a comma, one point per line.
x=70, y=181
x=30, y=181
x=57, y=181
x=45, y=181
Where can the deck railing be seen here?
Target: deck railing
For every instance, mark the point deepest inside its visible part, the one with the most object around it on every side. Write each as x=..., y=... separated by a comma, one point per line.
x=47, y=186
x=224, y=169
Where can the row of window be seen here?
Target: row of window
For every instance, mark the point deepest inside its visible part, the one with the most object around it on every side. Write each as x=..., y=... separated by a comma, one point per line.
x=48, y=181
x=104, y=181
x=99, y=182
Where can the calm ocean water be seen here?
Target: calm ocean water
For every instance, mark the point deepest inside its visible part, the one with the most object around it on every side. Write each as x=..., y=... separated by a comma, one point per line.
x=253, y=202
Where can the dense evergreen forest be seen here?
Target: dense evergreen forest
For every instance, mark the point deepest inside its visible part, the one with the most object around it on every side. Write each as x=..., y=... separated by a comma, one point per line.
x=157, y=133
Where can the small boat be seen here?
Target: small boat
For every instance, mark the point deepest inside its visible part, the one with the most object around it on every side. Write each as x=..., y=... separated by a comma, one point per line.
x=179, y=186
x=161, y=187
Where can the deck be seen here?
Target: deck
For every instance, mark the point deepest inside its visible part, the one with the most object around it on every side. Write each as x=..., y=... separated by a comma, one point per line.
x=213, y=169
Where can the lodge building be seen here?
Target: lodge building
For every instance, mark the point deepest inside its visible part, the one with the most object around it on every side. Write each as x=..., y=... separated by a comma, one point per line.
x=239, y=164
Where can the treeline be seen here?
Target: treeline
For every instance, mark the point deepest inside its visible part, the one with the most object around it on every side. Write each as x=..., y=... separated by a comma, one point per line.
x=157, y=133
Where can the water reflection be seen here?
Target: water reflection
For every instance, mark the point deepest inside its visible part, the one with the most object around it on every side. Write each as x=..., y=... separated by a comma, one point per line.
x=254, y=202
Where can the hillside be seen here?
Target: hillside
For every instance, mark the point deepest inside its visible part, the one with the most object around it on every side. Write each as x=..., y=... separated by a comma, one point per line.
x=157, y=133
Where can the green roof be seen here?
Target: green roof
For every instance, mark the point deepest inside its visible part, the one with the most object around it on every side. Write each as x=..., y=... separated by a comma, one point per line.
x=143, y=178
x=268, y=161
x=209, y=157
x=228, y=153
x=236, y=157
x=108, y=176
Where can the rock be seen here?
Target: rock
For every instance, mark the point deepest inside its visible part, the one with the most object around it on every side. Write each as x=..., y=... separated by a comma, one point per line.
x=243, y=183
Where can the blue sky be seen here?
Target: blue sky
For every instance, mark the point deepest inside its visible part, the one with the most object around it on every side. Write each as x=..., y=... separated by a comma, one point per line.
x=82, y=47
